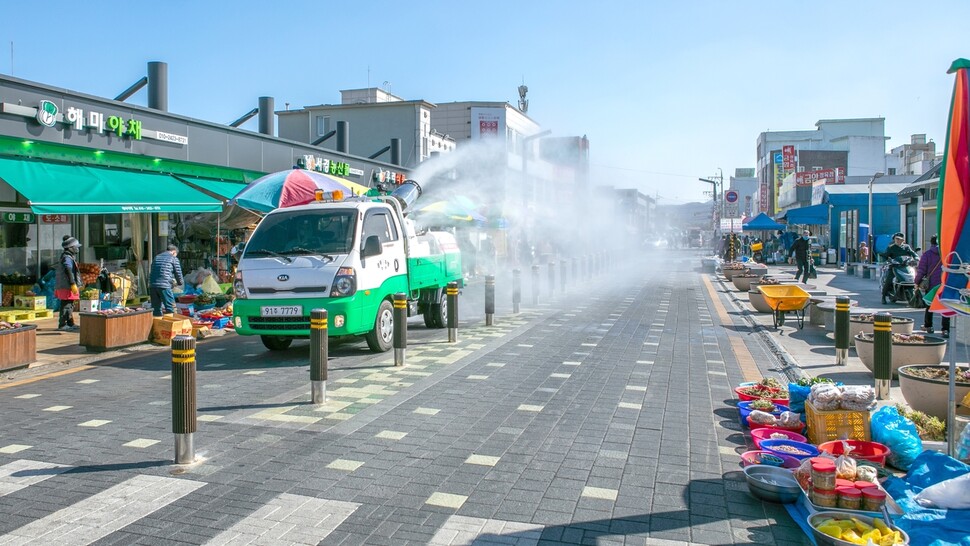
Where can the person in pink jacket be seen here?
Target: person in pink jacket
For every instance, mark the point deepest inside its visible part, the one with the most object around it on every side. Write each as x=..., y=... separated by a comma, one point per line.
x=930, y=267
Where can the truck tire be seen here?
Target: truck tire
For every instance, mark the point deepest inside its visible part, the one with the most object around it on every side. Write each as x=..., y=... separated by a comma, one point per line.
x=276, y=343
x=380, y=338
x=437, y=313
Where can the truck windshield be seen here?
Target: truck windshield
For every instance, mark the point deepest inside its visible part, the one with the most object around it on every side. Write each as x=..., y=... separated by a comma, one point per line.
x=304, y=232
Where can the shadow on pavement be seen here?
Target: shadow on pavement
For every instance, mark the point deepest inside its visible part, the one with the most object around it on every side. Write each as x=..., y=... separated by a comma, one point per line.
x=90, y=468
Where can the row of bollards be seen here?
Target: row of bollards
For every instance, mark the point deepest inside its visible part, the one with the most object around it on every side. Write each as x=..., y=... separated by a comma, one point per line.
x=882, y=345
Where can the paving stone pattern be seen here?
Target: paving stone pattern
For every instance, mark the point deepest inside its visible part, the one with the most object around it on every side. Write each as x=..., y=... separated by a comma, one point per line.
x=600, y=418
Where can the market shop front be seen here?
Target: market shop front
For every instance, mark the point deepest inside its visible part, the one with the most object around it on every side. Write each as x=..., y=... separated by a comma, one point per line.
x=126, y=180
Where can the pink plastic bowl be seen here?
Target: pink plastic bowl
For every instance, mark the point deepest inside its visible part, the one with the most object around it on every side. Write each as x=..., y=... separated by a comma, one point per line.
x=749, y=458
x=764, y=433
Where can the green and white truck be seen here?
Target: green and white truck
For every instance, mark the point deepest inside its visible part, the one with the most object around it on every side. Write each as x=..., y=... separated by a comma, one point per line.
x=349, y=257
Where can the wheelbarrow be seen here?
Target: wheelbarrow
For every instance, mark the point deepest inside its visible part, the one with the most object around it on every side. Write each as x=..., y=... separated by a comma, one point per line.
x=783, y=299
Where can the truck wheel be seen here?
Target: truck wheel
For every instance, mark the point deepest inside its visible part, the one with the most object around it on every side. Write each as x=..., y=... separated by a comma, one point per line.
x=438, y=312
x=380, y=338
x=276, y=343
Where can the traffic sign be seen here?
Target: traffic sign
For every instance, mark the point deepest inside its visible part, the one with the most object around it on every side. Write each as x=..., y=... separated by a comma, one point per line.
x=731, y=196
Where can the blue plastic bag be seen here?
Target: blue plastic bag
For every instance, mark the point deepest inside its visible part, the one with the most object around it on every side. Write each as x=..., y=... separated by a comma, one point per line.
x=899, y=434
x=797, y=395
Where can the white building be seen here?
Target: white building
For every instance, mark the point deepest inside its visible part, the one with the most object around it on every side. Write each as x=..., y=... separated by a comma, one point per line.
x=917, y=157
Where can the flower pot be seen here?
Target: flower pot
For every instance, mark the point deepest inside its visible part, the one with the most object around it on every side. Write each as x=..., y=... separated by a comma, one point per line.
x=757, y=300
x=743, y=282
x=730, y=273
x=929, y=395
x=899, y=325
x=930, y=351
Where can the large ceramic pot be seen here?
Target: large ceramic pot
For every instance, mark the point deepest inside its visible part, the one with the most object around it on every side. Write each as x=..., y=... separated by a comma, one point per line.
x=757, y=300
x=899, y=325
x=930, y=395
x=930, y=351
x=730, y=273
x=743, y=282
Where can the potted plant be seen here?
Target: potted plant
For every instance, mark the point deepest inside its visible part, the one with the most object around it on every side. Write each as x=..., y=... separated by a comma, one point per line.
x=863, y=323
x=730, y=269
x=743, y=281
x=907, y=349
x=926, y=387
x=113, y=328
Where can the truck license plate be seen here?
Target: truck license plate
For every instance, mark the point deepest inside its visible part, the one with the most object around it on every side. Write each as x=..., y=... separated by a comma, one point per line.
x=281, y=311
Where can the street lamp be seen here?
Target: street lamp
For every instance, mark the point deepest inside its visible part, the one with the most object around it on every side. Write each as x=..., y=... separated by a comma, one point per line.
x=871, y=238
x=715, y=200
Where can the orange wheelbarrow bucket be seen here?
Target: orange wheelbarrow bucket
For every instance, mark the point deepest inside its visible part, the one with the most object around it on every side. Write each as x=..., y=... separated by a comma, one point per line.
x=786, y=298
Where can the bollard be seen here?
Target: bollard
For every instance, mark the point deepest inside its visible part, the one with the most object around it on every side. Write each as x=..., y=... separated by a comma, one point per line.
x=882, y=354
x=562, y=276
x=489, y=299
x=841, y=330
x=452, y=292
x=319, y=355
x=401, y=326
x=183, y=398
x=535, y=285
x=552, y=279
x=516, y=290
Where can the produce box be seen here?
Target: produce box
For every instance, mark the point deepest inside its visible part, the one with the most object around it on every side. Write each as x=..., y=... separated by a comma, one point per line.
x=33, y=303
x=164, y=329
x=89, y=306
x=201, y=332
x=825, y=426
x=185, y=308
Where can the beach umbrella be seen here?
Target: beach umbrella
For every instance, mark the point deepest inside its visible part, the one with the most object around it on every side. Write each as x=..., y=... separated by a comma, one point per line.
x=291, y=188
x=953, y=202
x=449, y=210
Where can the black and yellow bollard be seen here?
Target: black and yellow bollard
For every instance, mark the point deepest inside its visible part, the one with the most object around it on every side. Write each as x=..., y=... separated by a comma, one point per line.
x=882, y=354
x=183, y=398
x=562, y=276
x=552, y=278
x=516, y=290
x=401, y=326
x=535, y=285
x=319, y=355
x=841, y=330
x=489, y=299
x=452, y=292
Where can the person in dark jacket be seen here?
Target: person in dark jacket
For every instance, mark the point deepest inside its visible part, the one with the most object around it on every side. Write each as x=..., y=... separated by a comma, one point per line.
x=66, y=285
x=931, y=267
x=799, y=249
x=898, y=249
x=166, y=273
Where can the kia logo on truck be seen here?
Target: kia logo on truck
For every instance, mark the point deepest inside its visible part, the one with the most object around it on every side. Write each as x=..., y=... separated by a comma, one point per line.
x=283, y=278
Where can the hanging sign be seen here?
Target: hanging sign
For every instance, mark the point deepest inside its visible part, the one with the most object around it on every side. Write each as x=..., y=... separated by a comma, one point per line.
x=18, y=217
x=55, y=219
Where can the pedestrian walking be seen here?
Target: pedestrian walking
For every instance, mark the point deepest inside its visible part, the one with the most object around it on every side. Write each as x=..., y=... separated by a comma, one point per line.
x=166, y=274
x=863, y=252
x=66, y=285
x=930, y=270
x=799, y=249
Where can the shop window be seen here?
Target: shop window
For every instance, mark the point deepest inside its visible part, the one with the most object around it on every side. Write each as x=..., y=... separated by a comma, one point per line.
x=323, y=125
x=104, y=230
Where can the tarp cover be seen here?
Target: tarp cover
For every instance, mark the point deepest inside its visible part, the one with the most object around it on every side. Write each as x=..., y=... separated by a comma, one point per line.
x=762, y=222
x=55, y=188
x=816, y=215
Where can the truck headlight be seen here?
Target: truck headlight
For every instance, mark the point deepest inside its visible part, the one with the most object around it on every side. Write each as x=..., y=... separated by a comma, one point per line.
x=238, y=287
x=345, y=283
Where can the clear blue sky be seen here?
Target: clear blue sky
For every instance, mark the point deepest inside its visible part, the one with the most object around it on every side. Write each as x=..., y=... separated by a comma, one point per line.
x=666, y=91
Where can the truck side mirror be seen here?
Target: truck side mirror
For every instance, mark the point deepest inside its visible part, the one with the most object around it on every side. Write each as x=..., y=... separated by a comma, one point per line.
x=372, y=247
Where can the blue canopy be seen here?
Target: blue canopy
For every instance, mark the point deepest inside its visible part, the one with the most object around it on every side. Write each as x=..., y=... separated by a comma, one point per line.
x=814, y=215
x=762, y=222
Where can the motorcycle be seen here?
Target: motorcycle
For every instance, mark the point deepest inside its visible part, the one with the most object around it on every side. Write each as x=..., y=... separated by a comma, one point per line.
x=903, y=271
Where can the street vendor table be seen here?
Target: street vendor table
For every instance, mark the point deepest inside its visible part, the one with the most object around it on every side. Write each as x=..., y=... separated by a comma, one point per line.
x=101, y=332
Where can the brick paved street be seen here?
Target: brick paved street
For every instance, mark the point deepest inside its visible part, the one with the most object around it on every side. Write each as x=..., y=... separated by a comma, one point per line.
x=602, y=416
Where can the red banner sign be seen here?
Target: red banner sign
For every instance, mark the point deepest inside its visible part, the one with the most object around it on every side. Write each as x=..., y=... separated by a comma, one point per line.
x=788, y=158
x=830, y=176
x=763, y=197
x=55, y=219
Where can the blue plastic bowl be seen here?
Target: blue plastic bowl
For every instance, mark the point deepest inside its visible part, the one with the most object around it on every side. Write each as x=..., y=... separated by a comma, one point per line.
x=745, y=409
x=807, y=450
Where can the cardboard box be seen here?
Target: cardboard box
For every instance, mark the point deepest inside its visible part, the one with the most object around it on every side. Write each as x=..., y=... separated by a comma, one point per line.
x=185, y=308
x=33, y=303
x=89, y=306
x=201, y=332
x=164, y=329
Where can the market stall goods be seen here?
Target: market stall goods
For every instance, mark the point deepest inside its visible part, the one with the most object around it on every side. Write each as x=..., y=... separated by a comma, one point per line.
x=838, y=528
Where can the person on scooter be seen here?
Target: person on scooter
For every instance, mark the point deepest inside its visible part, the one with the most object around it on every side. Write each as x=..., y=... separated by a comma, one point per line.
x=800, y=250
x=930, y=268
x=897, y=250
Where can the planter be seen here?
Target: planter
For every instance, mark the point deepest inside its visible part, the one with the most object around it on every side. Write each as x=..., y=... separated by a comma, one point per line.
x=929, y=395
x=757, y=300
x=730, y=273
x=930, y=352
x=899, y=325
x=18, y=347
x=743, y=282
x=103, y=332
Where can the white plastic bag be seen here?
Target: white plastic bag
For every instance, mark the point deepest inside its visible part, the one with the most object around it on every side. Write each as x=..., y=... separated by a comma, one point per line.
x=952, y=494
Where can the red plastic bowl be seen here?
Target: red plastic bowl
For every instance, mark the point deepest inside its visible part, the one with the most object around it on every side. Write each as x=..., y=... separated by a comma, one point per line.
x=859, y=449
x=749, y=458
x=748, y=398
x=763, y=433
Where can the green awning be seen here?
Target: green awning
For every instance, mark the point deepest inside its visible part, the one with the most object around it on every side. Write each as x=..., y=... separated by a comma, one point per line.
x=226, y=190
x=55, y=188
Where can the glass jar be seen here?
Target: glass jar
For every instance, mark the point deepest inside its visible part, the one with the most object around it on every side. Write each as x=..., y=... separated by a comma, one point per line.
x=842, y=482
x=872, y=499
x=823, y=475
x=826, y=498
x=860, y=485
x=850, y=498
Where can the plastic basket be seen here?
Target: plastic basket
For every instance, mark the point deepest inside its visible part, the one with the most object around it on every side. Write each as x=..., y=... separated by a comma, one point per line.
x=825, y=426
x=867, y=451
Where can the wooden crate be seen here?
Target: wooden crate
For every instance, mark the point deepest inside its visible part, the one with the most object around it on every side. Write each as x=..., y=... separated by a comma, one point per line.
x=102, y=332
x=18, y=347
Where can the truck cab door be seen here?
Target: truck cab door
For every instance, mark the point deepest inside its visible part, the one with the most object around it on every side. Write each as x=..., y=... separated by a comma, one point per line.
x=391, y=261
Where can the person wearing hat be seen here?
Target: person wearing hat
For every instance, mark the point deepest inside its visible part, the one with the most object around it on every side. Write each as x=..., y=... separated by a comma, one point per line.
x=898, y=249
x=799, y=249
x=68, y=278
x=166, y=273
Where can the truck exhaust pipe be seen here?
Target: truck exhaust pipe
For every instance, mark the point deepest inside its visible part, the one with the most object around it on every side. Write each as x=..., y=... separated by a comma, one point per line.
x=407, y=193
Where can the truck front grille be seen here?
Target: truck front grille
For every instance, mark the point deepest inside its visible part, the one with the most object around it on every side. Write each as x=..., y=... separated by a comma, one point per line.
x=279, y=323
